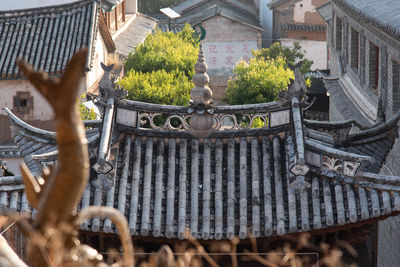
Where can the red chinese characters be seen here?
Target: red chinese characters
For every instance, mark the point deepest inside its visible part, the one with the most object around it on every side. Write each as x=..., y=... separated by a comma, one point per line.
x=229, y=49
x=213, y=61
x=229, y=61
x=213, y=49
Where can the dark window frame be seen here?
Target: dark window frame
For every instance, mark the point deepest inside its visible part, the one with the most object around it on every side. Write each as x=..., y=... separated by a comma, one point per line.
x=338, y=34
x=373, y=70
x=354, y=49
x=23, y=102
x=395, y=85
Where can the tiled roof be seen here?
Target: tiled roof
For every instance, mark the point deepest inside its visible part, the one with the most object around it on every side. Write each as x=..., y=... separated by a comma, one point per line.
x=38, y=147
x=46, y=37
x=382, y=14
x=9, y=152
x=235, y=182
x=194, y=12
x=135, y=33
x=345, y=106
x=325, y=11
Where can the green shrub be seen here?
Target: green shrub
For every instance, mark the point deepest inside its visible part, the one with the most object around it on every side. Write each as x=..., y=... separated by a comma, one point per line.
x=258, y=81
x=86, y=113
x=290, y=55
x=166, y=51
x=158, y=87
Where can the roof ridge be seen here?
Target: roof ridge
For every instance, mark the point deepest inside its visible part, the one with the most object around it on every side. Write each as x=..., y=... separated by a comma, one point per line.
x=45, y=9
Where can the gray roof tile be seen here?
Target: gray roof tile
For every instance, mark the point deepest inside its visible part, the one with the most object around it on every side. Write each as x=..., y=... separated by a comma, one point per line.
x=383, y=14
x=45, y=37
x=235, y=182
x=135, y=33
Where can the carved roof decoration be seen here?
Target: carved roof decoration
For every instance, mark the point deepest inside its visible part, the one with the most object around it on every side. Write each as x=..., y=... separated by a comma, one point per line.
x=288, y=176
x=47, y=37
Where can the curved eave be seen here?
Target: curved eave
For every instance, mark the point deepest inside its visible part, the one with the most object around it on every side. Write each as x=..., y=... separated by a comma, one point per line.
x=30, y=130
x=36, y=144
x=389, y=127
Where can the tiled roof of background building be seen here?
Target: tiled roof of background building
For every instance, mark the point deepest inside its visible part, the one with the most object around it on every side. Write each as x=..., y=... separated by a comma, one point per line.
x=197, y=11
x=383, y=14
x=46, y=37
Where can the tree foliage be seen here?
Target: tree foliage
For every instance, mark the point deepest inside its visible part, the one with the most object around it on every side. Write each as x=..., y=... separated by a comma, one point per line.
x=258, y=81
x=291, y=55
x=158, y=87
x=86, y=113
x=160, y=70
x=265, y=75
x=166, y=50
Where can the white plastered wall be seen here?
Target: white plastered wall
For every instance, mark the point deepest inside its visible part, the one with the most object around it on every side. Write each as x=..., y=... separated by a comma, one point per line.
x=315, y=51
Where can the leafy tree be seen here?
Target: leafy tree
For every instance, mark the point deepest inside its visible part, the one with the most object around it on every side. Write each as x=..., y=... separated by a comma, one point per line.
x=166, y=50
x=266, y=74
x=86, y=113
x=291, y=55
x=258, y=81
x=160, y=70
x=158, y=87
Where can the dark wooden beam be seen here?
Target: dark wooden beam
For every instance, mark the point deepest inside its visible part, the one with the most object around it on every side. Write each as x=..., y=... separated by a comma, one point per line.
x=123, y=10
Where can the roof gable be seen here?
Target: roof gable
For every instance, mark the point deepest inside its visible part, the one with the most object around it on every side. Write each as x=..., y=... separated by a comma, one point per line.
x=200, y=11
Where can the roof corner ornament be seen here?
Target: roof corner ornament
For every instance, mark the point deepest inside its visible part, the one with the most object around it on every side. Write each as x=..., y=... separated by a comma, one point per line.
x=201, y=103
x=108, y=87
x=297, y=88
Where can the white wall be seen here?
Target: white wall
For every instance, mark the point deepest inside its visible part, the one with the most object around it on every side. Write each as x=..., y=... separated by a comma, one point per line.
x=41, y=108
x=13, y=165
x=9, y=88
x=131, y=6
x=99, y=56
x=315, y=51
x=25, y=4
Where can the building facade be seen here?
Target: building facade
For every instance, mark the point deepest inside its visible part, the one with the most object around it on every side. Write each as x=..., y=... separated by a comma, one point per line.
x=48, y=36
x=364, y=84
x=299, y=21
x=231, y=30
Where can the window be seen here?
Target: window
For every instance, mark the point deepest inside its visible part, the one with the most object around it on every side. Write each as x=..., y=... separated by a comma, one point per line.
x=396, y=85
x=338, y=35
x=355, y=43
x=23, y=102
x=373, y=77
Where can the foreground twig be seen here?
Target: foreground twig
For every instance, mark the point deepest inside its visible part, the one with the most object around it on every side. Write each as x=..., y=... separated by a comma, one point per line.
x=120, y=222
x=8, y=253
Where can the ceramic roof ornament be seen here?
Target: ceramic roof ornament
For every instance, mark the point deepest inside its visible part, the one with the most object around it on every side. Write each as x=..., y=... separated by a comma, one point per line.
x=201, y=103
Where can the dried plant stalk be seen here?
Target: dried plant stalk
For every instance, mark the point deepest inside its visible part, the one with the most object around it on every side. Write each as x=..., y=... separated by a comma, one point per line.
x=120, y=222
